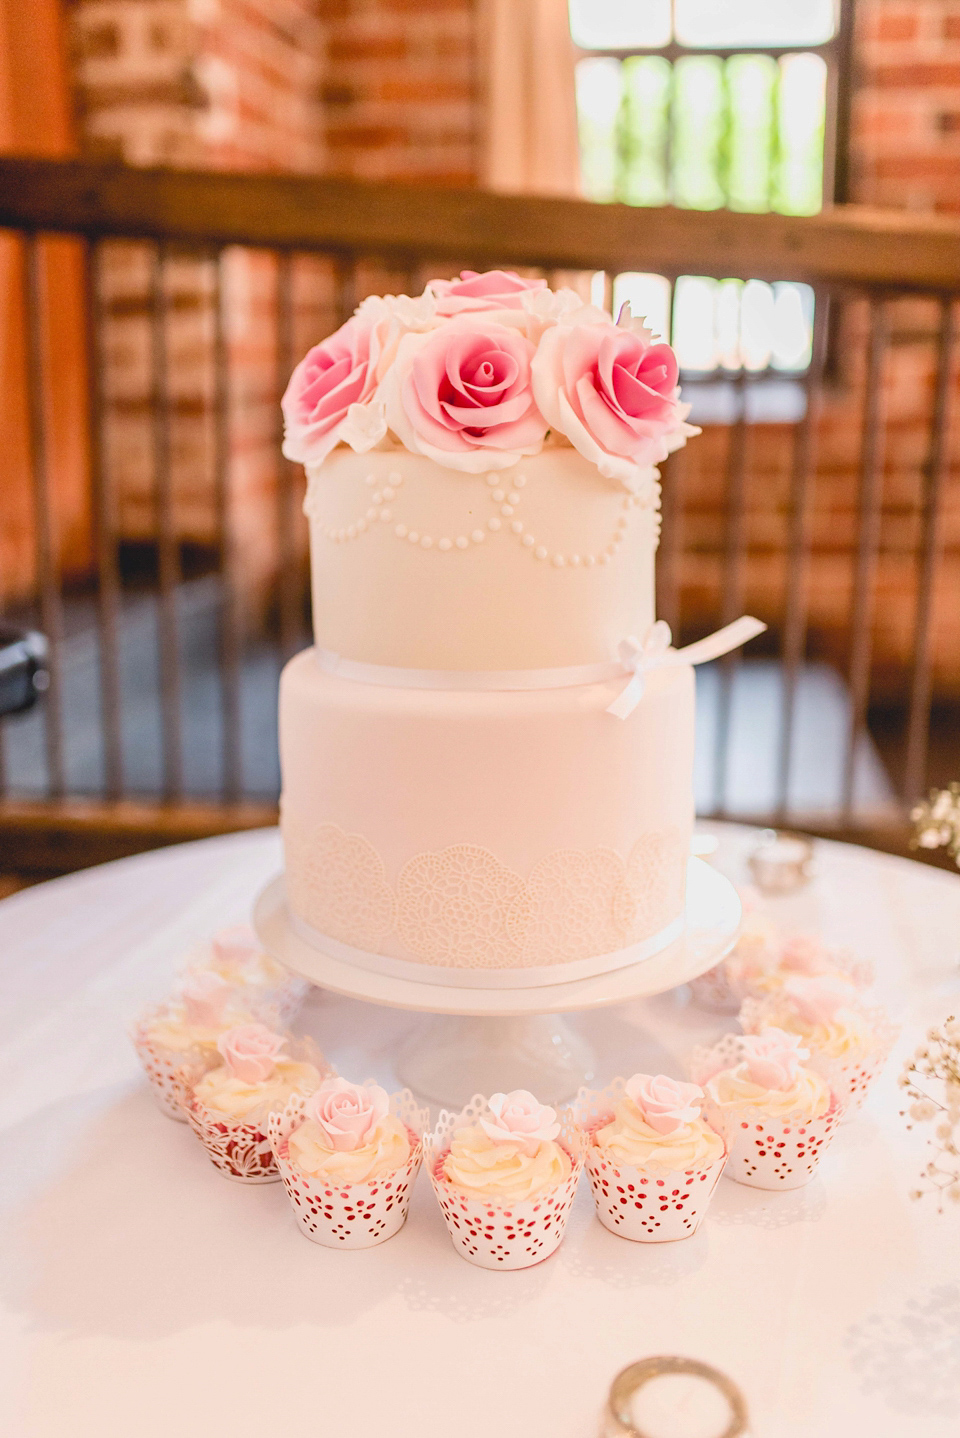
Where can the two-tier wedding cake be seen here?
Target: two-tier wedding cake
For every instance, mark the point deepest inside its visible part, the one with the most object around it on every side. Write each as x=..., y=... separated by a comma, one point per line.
x=487, y=756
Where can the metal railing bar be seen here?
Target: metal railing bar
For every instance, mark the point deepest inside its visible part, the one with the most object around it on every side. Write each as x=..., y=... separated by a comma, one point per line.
x=168, y=559
x=935, y=484
x=105, y=534
x=230, y=627
x=288, y=578
x=46, y=559
x=802, y=476
x=732, y=598
x=868, y=545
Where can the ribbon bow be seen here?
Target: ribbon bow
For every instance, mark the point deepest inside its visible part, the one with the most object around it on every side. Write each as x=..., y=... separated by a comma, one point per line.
x=656, y=653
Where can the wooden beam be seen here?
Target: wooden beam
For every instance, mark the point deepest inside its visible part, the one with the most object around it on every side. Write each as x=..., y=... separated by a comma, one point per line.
x=848, y=244
x=56, y=838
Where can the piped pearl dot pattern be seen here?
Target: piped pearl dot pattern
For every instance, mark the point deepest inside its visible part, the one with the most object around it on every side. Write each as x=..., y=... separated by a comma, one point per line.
x=506, y=501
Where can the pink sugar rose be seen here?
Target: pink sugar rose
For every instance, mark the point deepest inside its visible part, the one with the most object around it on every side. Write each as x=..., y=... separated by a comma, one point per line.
x=339, y=372
x=519, y=1118
x=461, y=395
x=664, y=1103
x=236, y=944
x=817, y=1000
x=348, y=1113
x=204, y=997
x=773, y=1059
x=250, y=1051
x=611, y=391
x=493, y=290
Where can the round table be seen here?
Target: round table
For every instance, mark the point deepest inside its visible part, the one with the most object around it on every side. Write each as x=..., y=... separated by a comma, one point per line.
x=142, y=1294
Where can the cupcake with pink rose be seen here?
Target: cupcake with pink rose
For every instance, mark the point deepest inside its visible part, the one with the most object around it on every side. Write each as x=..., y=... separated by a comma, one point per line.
x=847, y=1041
x=776, y=1112
x=751, y=960
x=348, y=1155
x=505, y=1171
x=228, y=1105
x=265, y=985
x=652, y=1159
x=183, y=1033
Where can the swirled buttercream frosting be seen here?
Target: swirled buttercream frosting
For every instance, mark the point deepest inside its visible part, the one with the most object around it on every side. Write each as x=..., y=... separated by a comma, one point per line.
x=222, y=1091
x=484, y=1167
x=807, y=1094
x=386, y=1150
x=630, y=1141
x=822, y=1011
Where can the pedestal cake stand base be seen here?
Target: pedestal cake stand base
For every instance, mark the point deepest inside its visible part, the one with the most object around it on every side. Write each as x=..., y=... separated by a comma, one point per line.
x=478, y=1040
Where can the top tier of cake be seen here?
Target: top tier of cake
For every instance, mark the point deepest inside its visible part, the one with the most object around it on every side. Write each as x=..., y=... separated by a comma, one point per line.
x=483, y=487
x=543, y=565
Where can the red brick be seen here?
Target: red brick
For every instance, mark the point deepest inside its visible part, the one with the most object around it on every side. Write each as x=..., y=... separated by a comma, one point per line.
x=897, y=25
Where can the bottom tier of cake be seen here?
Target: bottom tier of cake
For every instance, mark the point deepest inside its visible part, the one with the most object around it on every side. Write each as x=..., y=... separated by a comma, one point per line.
x=518, y=833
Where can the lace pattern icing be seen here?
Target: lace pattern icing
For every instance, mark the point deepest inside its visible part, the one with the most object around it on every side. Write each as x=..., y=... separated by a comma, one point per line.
x=460, y=907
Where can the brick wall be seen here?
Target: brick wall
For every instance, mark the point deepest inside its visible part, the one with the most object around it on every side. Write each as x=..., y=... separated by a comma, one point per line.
x=400, y=93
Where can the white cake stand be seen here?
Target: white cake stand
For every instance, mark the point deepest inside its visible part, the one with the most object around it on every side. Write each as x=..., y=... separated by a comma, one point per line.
x=479, y=1040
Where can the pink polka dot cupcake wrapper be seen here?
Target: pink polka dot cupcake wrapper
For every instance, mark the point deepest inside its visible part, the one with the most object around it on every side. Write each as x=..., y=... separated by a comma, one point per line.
x=774, y=1153
x=653, y=1204
x=353, y=1215
x=502, y=1236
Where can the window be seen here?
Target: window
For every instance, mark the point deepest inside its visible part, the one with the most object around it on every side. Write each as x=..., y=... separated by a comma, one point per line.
x=707, y=104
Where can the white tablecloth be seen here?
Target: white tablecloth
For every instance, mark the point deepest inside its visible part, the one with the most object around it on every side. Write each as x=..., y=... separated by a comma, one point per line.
x=143, y=1295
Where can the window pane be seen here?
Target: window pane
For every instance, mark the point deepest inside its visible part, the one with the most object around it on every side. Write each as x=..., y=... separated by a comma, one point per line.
x=648, y=297
x=751, y=90
x=792, y=326
x=644, y=124
x=727, y=323
x=698, y=126
x=620, y=24
x=598, y=104
x=756, y=324
x=801, y=114
x=694, y=322
x=724, y=23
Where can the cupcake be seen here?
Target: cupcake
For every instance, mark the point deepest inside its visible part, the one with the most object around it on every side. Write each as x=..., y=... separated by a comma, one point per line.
x=754, y=955
x=348, y=1156
x=237, y=955
x=228, y=1106
x=777, y=1114
x=848, y=1042
x=505, y=1171
x=652, y=1161
x=183, y=1034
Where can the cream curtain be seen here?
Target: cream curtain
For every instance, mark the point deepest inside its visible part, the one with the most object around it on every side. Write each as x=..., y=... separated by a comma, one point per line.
x=530, y=129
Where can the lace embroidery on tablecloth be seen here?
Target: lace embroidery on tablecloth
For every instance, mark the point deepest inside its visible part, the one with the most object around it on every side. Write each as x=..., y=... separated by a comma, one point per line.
x=461, y=907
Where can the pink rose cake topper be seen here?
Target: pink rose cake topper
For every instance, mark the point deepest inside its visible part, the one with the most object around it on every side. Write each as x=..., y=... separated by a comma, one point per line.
x=519, y=1118
x=204, y=997
x=250, y=1051
x=773, y=1059
x=348, y=1113
x=475, y=371
x=665, y=1104
x=494, y=290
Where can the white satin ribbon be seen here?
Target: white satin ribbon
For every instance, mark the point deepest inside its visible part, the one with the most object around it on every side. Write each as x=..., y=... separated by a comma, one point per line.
x=635, y=659
x=655, y=653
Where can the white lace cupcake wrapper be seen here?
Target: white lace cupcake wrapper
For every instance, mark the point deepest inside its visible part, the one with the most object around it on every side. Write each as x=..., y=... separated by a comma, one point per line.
x=241, y=1151
x=354, y=1215
x=494, y=1235
x=164, y=1070
x=714, y=990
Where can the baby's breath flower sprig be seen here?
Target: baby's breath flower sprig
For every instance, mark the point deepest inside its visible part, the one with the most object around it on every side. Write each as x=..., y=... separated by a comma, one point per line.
x=936, y=822
x=931, y=1082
